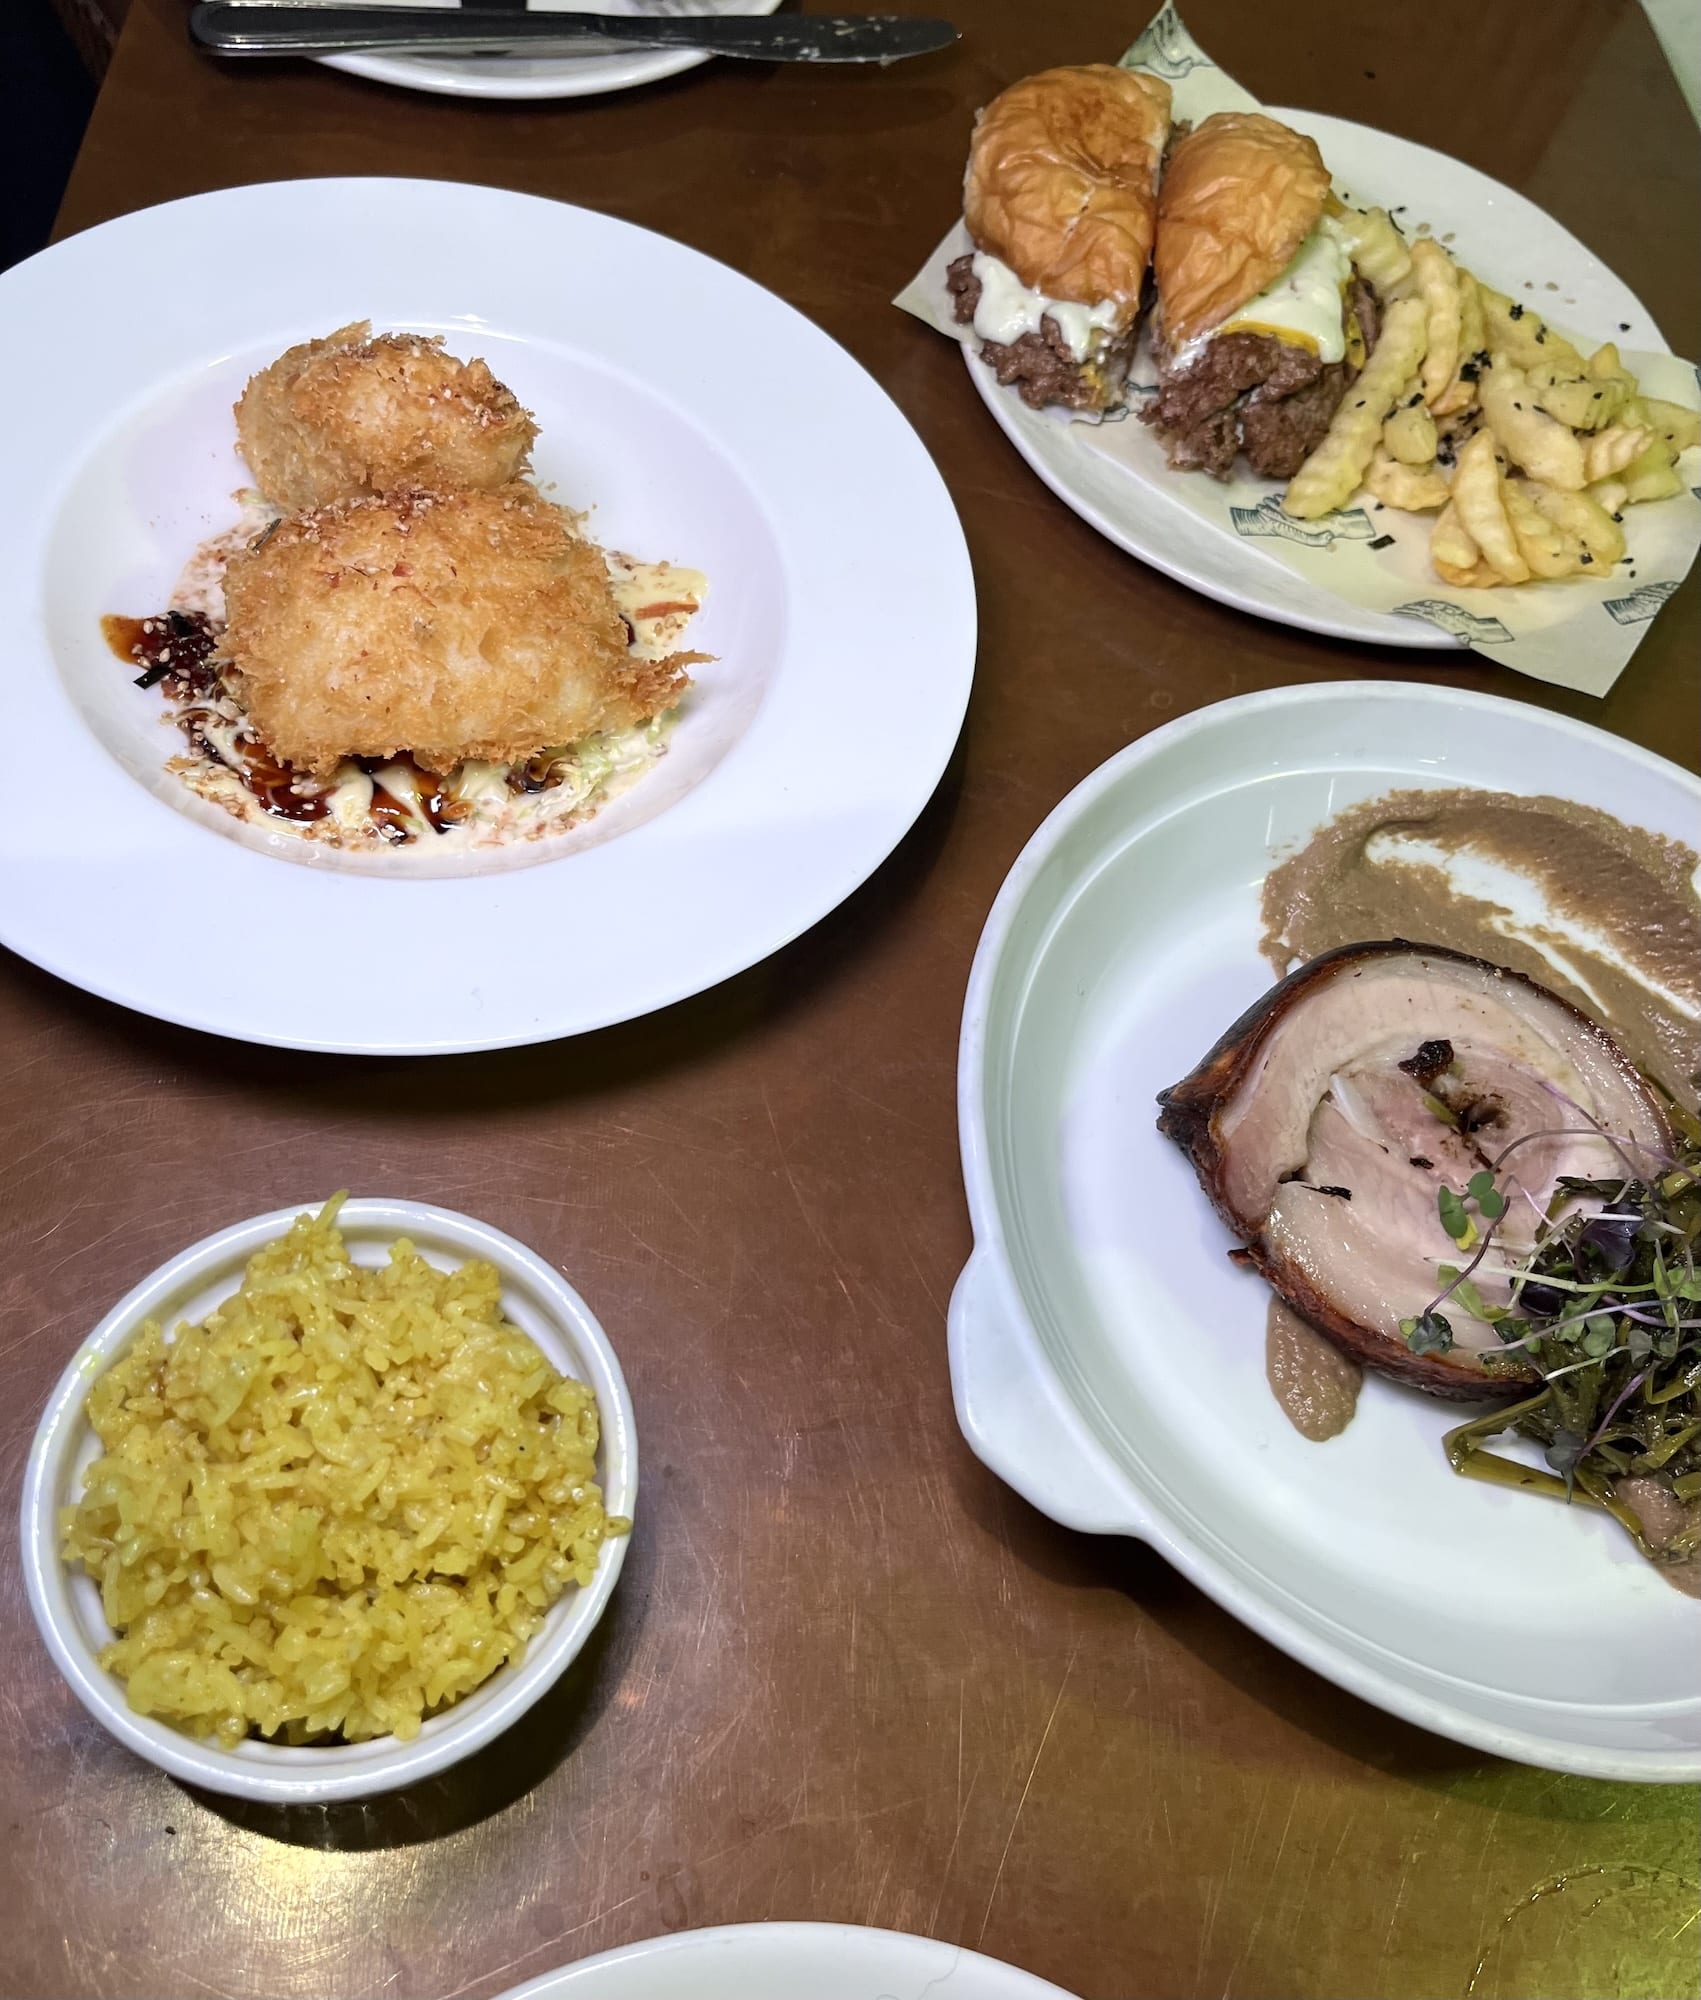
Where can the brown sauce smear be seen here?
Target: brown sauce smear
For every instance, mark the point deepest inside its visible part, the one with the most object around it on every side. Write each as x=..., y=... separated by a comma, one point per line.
x=1633, y=888
x=1315, y=1383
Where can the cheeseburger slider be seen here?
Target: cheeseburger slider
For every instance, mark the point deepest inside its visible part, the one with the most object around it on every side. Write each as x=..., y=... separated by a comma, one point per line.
x=1261, y=321
x=1060, y=198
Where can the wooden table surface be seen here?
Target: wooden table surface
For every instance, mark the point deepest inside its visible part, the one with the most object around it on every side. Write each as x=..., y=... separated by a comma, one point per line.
x=847, y=1675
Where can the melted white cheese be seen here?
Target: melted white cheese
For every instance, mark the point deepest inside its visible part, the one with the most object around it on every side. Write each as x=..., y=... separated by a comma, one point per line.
x=1008, y=309
x=1304, y=304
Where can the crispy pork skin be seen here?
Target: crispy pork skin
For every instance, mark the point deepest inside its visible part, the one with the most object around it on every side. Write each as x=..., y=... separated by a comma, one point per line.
x=1325, y=1121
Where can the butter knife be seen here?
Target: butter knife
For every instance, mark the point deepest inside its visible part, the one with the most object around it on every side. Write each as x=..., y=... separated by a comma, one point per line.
x=244, y=28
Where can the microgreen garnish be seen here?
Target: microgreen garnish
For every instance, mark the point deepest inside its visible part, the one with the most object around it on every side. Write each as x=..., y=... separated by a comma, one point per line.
x=1429, y=1333
x=1607, y=1311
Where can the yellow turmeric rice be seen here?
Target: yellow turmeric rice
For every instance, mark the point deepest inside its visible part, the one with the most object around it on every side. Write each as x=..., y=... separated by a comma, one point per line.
x=337, y=1504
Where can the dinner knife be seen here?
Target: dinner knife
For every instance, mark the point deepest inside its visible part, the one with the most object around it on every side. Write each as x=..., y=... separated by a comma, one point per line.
x=244, y=28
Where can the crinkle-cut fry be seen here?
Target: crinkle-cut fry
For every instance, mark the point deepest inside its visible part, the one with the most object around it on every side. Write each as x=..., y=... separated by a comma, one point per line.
x=1461, y=392
x=1543, y=544
x=1477, y=493
x=1609, y=452
x=1579, y=401
x=1677, y=426
x=1409, y=434
x=1610, y=494
x=1607, y=365
x=1450, y=543
x=1438, y=286
x=1414, y=489
x=1653, y=475
x=1379, y=251
x=1480, y=576
x=1518, y=330
x=1584, y=518
x=1330, y=476
x=1532, y=441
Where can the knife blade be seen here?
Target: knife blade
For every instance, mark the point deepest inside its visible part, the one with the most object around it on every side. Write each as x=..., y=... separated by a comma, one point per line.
x=245, y=28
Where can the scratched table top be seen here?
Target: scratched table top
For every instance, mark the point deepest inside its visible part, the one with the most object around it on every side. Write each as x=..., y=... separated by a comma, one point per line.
x=847, y=1675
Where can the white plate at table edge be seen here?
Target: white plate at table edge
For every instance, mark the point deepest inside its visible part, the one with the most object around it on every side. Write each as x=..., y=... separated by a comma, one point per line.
x=718, y=1963
x=534, y=78
x=824, y=786
x=1216, y=563
x=1033, y=1429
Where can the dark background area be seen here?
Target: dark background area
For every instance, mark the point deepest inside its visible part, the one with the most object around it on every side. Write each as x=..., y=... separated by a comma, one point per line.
x=46, y=93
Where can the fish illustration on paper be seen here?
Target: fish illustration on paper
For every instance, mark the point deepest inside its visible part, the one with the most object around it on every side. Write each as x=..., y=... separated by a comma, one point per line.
x=1641, y=604
x=1470, y=628
x=1352, y=524
x=1166, y=48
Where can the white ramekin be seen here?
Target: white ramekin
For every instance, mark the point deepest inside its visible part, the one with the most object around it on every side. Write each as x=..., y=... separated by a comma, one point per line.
x=67, y=1605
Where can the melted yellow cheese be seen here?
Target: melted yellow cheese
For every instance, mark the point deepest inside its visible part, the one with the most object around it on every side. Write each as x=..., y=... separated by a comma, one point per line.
x=1305, y=304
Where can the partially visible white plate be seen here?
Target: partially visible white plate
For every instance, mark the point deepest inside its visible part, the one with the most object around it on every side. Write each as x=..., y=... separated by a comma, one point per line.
x=546, y=76
x=1108, y=1359
x=1115, y=477
x=788, y=1962
x=699, y=419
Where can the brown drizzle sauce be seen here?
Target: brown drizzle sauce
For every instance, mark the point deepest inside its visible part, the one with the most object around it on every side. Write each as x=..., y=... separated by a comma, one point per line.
x=177, y=652
x=174, y=649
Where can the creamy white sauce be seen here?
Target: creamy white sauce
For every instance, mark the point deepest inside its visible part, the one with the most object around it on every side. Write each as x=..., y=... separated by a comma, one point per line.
x=1304, y=303
x=660, y=600
x=1008, y=309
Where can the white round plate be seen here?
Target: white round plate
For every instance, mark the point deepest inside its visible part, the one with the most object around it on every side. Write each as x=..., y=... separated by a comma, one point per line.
x=67, y=1606
x=547, y=76
x=696, y=416
x=1132, y=498
x=787, y=1962
x=1108, y=1359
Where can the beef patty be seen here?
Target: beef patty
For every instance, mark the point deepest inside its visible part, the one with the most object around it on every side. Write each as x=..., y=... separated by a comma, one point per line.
x=1254, y=393
x=1039, y=366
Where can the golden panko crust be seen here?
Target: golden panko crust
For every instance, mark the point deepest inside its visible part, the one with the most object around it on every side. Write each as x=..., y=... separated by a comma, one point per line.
x=359, y=413
x=1241, y=193
x=1062, y=182
x=449, y=625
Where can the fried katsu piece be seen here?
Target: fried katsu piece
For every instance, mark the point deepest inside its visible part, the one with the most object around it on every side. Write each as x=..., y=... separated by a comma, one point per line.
x=360, y=413
x=451, y=625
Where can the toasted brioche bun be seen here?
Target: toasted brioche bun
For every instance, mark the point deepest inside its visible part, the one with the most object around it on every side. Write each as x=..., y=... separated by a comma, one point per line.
x=1241, y=193
x=1062, y=182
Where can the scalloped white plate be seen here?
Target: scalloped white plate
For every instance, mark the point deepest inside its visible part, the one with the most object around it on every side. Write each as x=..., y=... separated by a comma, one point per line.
x=840, y=610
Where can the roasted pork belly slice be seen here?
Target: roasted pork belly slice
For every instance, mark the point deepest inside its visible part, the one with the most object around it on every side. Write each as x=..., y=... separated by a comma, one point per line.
x=1326, y=1120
